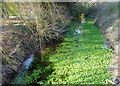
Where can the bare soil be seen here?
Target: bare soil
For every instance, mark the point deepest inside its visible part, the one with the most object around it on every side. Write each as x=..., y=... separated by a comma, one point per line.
x=107, y=19
x=16, y=48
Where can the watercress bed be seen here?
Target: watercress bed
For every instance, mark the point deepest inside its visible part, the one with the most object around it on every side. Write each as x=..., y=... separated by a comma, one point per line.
x=79, y=59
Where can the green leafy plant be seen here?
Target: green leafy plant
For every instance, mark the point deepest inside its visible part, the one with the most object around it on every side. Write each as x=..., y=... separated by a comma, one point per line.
x=80, y=59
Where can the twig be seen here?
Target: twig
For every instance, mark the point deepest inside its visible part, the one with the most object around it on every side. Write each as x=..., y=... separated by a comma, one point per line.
x=17, y=46
x=109, y=81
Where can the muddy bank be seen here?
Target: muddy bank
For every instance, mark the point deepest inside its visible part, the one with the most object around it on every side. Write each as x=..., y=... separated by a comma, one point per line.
x=107, y=19
x=15, y=46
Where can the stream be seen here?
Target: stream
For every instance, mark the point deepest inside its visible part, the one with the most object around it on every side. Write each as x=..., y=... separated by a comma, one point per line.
x=80, y=58
x=23, y=71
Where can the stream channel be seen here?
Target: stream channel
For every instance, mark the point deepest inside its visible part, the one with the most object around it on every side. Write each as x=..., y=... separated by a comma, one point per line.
x=83, y=57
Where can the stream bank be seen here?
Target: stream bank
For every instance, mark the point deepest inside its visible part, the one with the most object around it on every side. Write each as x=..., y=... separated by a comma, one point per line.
x=107, y=18
x=80, y=59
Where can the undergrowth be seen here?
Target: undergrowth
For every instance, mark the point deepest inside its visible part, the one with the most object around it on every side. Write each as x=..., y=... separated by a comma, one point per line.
x=79, y=59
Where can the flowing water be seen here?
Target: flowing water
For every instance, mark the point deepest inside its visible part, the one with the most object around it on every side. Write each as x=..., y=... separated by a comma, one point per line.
x=23, y=71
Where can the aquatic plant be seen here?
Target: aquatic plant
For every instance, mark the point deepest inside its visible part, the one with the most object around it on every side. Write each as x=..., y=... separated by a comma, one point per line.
x=79, y=59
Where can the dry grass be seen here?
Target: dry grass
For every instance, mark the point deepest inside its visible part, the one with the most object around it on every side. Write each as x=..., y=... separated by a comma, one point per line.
x=29, y=33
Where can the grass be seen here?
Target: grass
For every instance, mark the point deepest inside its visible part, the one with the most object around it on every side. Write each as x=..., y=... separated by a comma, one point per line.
x=79, y=59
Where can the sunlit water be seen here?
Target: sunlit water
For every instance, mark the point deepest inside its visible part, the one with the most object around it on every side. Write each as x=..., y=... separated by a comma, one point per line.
x=22, y=73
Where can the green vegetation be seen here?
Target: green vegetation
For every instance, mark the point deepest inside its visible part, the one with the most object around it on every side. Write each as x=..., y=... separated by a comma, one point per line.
x=79, y=59
x=9, y=9
x=113, y=9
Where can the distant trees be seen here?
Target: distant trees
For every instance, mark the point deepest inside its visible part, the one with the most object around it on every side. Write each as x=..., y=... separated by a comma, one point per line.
x=78, y=8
